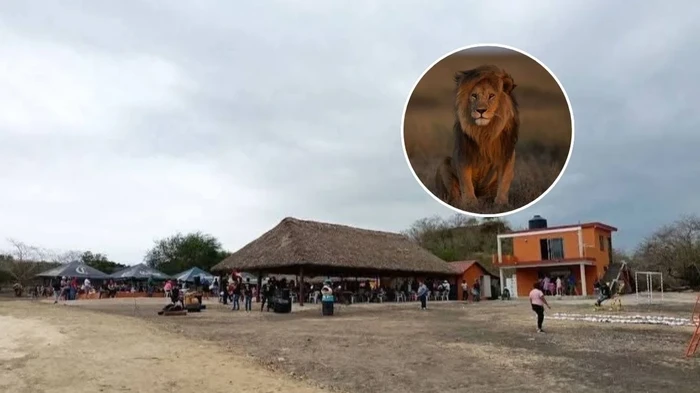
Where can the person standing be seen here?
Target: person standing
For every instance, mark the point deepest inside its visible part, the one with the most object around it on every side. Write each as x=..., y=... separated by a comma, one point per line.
x=572, y=285
x=264, y=296
x=248, y=293
x=56, y=285
x=476, y=290
x=150, y=284
x=87, y=286
x=545, y=285
x=560, y=288
x=538, y=302
x=168, y=288
x=423, y=295
x=234, y=289
x=465, y=291
x=327, y=298
x=64, y=288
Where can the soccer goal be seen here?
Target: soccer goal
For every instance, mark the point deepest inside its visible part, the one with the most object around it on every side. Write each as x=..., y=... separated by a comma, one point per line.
x=651, y=281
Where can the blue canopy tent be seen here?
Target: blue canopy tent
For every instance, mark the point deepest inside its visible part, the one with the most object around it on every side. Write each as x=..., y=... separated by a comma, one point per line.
x=190, y=274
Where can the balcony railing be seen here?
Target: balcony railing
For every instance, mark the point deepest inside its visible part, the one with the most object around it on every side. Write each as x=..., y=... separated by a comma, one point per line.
x=507, y=259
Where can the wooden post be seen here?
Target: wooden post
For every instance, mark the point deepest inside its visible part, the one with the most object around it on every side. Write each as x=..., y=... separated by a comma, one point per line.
x=301, y=286
x=257, y=295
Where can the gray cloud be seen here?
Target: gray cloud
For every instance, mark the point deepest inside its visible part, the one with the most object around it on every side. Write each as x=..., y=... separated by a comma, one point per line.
x=123, y=123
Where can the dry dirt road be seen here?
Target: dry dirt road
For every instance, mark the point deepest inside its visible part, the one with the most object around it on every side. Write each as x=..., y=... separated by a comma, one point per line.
x=64, y=349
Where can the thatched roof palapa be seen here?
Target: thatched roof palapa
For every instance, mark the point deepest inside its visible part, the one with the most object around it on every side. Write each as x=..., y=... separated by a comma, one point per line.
x=329, y=249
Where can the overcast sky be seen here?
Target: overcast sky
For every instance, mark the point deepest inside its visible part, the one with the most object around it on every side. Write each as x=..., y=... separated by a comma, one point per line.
x=124, y=122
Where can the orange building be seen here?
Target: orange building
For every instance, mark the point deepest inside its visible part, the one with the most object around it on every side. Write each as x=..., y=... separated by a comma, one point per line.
x=471, y=271
x=583, y=251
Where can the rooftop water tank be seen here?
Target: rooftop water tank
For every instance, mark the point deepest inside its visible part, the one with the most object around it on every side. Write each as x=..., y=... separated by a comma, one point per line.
x=537, y=222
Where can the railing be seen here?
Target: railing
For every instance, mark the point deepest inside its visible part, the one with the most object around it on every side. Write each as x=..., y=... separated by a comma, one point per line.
x=507, y=259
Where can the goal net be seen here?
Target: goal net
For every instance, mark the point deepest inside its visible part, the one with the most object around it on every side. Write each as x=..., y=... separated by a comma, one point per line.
x=649, y=286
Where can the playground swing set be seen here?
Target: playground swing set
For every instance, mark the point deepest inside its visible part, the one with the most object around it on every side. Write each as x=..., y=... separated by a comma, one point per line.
x=616, y=288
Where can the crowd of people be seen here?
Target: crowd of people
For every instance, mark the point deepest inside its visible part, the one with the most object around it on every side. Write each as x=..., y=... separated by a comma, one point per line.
x=558, y=285
x=71, y=288
x=234, y=290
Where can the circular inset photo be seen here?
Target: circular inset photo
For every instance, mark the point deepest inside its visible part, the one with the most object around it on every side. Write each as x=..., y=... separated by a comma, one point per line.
x=488, y=130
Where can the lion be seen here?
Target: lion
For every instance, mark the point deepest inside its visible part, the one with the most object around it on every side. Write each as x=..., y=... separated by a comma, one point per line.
x=486, y=128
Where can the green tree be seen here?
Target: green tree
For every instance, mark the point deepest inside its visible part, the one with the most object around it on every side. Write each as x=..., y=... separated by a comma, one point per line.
x=181, y=252
x=23, y=261
x=100, y=262
x=459, y=237
x=673, y=250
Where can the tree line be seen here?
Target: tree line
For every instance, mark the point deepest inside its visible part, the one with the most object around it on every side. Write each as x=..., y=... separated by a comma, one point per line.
x=21, y=262
x=673, y=249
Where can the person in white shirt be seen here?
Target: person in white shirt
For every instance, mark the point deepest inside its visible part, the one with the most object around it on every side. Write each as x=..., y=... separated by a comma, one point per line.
x=446, y=289
x=465, y=290
x=560, y=287
x=86, y=286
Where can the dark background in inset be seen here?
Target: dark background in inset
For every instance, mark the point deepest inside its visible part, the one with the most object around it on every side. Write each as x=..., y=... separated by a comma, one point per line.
x=545, y=122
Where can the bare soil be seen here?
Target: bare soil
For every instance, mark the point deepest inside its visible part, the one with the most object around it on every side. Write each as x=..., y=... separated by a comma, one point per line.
x=452, y=347
x=46, y=348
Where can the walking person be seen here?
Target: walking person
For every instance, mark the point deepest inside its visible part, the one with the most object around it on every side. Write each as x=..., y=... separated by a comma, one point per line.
x=538, y=302
x=423, y=295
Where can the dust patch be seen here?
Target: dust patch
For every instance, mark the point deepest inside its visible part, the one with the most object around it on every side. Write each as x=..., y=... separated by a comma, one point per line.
x=21, y=336
x=514, y=358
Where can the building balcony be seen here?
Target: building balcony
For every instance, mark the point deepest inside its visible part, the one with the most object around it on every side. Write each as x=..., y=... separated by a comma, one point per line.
x=515, y=262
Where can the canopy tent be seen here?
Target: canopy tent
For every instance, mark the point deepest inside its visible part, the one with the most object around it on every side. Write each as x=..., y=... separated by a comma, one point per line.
x=189, y=275
x=139, y=272
x=74, y=269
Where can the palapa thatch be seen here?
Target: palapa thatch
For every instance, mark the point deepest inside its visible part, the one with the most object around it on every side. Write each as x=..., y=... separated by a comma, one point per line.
x=324, y=249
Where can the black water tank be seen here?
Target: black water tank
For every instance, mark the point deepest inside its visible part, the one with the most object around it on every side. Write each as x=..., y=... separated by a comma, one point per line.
x=537, y=222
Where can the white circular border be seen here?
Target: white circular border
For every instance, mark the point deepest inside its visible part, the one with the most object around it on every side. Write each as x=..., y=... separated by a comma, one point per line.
x=495, y=215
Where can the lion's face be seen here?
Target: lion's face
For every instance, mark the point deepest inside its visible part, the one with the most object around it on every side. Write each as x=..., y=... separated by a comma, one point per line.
x=483, y=103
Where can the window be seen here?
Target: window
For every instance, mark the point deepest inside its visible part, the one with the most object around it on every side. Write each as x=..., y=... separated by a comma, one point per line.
x=552, y=249
x=601, y=242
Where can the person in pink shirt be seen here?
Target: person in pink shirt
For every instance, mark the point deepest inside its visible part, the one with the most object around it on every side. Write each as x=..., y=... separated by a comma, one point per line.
x=168, y=288
x=537, y=301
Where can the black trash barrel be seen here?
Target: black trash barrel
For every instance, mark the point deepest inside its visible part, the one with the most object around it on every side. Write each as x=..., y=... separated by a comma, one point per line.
x=283, y=301
x=327, y=308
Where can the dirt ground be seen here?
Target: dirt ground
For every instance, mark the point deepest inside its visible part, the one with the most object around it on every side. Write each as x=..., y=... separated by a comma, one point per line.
x=452, y=347
x=545, y=132
x=46, y=348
